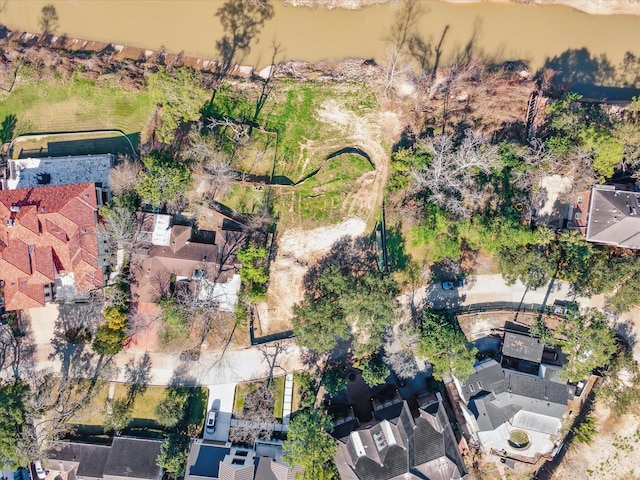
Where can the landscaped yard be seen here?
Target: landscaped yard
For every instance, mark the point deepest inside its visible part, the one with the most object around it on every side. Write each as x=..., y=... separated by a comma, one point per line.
x=244, y=389
x=143, y=408
x=55, y=106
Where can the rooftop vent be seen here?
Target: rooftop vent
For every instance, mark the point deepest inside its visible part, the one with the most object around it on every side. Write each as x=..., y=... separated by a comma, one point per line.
x=9, y=222
x=43, y=178
x=15, y=208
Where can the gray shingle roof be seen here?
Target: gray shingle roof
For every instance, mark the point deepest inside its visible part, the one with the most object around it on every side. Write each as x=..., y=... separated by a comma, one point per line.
x=367, y=456
x=488, y=377
x=524, y=347
x=133, y=458
x=614, y=217
x=91, y=458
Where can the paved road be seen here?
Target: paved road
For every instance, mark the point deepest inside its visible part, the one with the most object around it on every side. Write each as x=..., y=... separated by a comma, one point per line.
x=259, y=362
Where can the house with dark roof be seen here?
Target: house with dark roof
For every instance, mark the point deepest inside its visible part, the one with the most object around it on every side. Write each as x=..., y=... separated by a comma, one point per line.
x=522, y=394
x=198, y=259
x=608, y=215
x=49, y=247
x=216, y=462
x=400, y=442
x=126, y=459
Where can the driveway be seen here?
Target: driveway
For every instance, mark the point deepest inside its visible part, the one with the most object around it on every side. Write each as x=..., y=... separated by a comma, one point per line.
x=221, y=399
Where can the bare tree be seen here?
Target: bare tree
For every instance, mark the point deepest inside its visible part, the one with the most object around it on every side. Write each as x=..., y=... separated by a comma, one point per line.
x=450, y=178
x=118, y=227
x=256, y=417
x=124, y=175
x=399, y=38
x=403, y=363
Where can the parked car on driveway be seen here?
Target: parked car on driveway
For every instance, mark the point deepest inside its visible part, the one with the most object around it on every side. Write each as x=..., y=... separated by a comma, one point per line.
x=211, y=421
x=39, y=470
x=453, y=284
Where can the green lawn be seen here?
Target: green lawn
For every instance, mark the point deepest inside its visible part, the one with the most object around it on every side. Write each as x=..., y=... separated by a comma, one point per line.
x=93, y=413
x=143, y=405
x=244, y=389
x=55, y=105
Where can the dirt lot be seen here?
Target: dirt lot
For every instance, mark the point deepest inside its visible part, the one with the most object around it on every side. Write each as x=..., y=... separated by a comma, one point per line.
x=614, y=454
x=298, y=249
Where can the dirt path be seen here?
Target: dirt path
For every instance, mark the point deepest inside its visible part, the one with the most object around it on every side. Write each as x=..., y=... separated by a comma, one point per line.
x=299, y=249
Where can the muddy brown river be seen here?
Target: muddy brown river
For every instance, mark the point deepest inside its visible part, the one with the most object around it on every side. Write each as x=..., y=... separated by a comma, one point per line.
x=508, y=31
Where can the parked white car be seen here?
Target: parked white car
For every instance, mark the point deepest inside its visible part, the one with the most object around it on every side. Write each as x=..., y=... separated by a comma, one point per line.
x=39, y=470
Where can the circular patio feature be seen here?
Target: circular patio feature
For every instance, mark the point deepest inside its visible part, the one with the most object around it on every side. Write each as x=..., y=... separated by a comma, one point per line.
x=519, y=439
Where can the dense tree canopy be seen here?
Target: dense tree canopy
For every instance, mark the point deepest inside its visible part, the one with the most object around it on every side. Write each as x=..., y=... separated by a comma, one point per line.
x=587, y=341
x=180, y=96
x=170, y=411
x=444, y=345
x=163, y=180
x=173, y=454
x=111, y=332
x=12, y=421
x=374, y=370
x=346, y=305
x=308, y=444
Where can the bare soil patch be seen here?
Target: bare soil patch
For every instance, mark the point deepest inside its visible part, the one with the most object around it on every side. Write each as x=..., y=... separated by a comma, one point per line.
x=297, y=251
x=614, y=453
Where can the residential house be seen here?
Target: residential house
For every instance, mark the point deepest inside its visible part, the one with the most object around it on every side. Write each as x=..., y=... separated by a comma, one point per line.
x=522, y=393
x=215, y=462
x=37, y=172
x=608, y=215
x=126, y=459
x=168, y=255
x=402, y=441
x=49, y=247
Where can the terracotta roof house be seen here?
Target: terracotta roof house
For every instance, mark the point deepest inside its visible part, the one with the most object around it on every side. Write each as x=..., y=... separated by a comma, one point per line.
x=609, y=215
x=203, y=259
x=126, y=459
x=523, y=394
x=399, y=443
x=49, y=248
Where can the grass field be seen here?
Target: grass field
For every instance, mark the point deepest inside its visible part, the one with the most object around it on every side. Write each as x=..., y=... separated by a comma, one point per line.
x=55, y=106
x=93, y=413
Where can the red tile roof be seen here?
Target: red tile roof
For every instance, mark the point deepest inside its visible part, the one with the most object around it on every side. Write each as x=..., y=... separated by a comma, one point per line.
x=46, y=231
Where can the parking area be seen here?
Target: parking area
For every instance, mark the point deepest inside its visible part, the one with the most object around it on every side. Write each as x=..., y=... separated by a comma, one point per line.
x=220, y=399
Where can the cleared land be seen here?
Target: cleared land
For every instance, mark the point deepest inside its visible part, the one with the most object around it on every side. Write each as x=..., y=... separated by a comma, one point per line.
x=55, y=106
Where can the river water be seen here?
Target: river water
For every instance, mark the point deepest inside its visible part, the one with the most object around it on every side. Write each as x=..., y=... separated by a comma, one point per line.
x=508, y=31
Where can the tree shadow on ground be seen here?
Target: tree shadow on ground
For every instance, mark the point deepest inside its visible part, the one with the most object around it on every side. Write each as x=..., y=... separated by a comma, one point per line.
x=8, y=128
x=241, y=23
x=137, y=376
x=353, y=257
x=73, y=329
x=397, y=255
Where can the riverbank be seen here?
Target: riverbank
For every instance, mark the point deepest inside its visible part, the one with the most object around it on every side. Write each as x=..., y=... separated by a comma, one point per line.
x=592, y=7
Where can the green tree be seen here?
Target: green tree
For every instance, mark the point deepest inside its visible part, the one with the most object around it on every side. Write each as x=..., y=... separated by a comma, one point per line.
x=175, y=321
x=163, y=180
x=444, y=345
x=586, y=340
x=531, y=265
x=334, y=380
x=343, y=303
x=112, y=332
x=120, y=416
x=173, y=454
x=12, y=423
x=309, y=446
x=586, y=431
x=626, y=295
x=179, y=93
x=254, y=270
x=374, y=370
x=621, y=384
x=170, y=411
